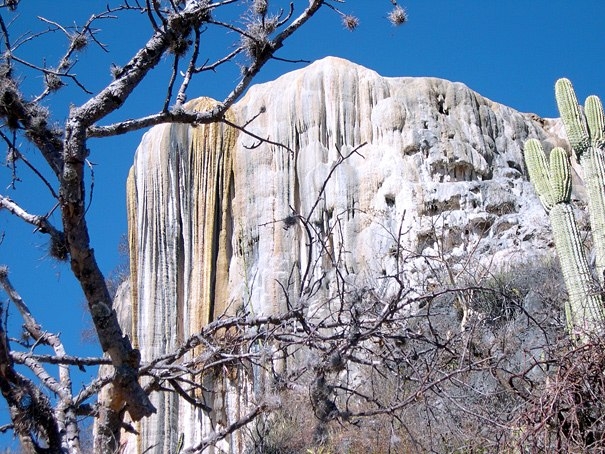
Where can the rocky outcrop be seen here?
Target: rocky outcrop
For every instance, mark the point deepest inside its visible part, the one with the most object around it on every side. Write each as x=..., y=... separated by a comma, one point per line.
x=337, y=172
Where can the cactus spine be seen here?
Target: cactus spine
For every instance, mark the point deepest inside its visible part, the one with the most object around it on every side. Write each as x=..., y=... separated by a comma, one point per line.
x=585, y=310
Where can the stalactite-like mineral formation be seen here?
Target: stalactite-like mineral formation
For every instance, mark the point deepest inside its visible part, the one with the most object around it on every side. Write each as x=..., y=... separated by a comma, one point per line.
x=180, y=189
x=382, y=169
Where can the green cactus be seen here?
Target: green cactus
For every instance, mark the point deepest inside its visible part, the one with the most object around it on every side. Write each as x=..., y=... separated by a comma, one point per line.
x=585, y=135
x=585, y=310
x=553, y=185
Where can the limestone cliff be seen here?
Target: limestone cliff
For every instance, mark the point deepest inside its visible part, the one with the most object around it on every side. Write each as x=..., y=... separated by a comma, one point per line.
x=383, y=170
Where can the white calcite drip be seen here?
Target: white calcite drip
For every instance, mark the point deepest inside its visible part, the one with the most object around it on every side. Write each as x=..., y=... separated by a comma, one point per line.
x=219, y=220
x=179, y=193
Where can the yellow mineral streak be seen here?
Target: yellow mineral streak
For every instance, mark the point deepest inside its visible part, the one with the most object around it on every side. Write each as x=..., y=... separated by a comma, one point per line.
x=211, y=169
x=207, y=178
x=131, y=212
x=179, y=232
x=131, y=201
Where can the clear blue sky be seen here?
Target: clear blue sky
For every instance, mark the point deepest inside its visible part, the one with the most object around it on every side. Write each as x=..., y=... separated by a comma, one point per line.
x=510, y=51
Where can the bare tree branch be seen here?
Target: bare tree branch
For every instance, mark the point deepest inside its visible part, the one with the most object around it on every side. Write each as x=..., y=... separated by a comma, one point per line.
x=40, y=222
x=68, y=360
x=23, y=397
x=221, y=434
x=66, y=416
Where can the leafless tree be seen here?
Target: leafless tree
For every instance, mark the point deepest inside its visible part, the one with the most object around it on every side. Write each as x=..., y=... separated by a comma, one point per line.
x=177, y=31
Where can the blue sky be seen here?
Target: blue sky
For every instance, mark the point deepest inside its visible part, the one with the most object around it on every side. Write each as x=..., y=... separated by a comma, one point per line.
x=510, y=51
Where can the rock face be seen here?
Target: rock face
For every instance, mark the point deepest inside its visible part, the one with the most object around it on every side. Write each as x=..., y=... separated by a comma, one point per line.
x=385, y=171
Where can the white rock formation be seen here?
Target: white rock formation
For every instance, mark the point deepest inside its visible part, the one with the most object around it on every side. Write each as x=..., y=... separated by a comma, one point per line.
x=382, y=169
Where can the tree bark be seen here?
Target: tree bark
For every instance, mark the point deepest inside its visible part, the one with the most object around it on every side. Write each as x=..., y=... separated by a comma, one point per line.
x=127, y=393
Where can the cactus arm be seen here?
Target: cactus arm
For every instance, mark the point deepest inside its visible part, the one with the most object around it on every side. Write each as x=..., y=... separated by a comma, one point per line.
x=560, y=171
x=539, y=172
x=596, y=121
x=594, y=177
x=572, y=117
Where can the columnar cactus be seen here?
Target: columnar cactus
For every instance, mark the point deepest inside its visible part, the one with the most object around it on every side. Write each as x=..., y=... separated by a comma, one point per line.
x=585, y=310
x=586, y=136
x=552, y=182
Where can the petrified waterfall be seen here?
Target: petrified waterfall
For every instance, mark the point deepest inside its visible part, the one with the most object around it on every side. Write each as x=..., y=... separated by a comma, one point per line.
x=377, y=165
x=182, y=196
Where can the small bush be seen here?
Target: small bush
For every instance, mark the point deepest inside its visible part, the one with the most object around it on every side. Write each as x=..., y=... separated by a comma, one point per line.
x=530, y=287
x=567, y=412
